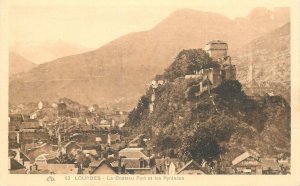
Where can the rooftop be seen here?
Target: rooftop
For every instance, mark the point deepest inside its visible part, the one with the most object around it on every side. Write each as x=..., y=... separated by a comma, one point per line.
x=270, y=163
x=59, y=168
x=216, y=42
x=14, y=165
x=114, y=137
x=242, y=157
x=191, y=166
x=30, y=125
x=132, y=153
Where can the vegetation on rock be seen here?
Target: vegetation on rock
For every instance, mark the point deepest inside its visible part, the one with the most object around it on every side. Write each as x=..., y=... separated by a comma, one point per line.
x=192, y=127
x=187, y=62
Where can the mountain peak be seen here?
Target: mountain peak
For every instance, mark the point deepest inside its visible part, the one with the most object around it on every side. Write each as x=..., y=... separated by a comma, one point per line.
x=18, y=63
x=189, y=18
x=259, y=12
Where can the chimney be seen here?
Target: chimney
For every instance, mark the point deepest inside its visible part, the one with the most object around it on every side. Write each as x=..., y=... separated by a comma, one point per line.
x=18, y=155
x=120, y=166
x=59, y=139
x=149, y=153
x=167, y=164
x=113, y=123
x=163, y=167
x=229, y=59
x=80, y=169
x=18, y=137
x=201, y=87
x=23, y=147
x=35, y=167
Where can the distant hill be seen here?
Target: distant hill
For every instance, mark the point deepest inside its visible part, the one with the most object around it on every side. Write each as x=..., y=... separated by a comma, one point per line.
x=271, y=59
x=48, y=50
x=116, y=74
x=18, y=64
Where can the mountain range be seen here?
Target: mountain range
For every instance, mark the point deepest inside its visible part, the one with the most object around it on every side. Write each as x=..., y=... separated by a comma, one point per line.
x=19, y=64
x=270, y=56
x=41, y=52
x=117, y=73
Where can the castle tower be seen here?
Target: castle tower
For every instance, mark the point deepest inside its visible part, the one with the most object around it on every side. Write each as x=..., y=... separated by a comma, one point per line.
x=216, y=49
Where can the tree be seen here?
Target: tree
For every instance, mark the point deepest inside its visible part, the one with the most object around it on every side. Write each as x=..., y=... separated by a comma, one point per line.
x=200, y=144
x=204, y=142
x=141, y=142
x=230, y=89
x=65, y=158
x=166, y=144
x=188, y=61
x=134, y=117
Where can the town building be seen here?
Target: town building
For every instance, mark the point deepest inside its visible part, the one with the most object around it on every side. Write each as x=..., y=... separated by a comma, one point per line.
x=101, y=167
x=58, y=168
x=113, y=138
x=270, y=166
x=191, y=167
x=137, y=161
x=49, y=158
x=15, y=167
x=247, y=163
x=167, y=165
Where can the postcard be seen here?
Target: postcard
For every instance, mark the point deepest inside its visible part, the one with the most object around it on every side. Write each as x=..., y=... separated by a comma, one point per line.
x=196, y=92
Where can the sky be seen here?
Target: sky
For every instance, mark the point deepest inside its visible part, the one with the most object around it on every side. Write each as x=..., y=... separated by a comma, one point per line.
x=93, y=23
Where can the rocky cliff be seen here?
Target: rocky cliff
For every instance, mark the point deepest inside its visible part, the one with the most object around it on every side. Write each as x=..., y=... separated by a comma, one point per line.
x=226, y=122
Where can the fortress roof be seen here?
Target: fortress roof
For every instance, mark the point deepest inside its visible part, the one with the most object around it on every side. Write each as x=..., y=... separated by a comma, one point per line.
x=216, y=42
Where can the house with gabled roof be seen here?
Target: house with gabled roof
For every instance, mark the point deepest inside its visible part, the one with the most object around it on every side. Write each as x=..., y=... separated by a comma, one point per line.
x=247, y=163
x=113, y=138
x=137, y=161
x=21, y=157
x=16, y=167
x=192, y=167
x=58, y=168
x=135, y=141
x=30, y=126
x=42, y=149
x=270, y=166
x=167, y=165
x=47, y=158
x=71, y=146
x=101, y=167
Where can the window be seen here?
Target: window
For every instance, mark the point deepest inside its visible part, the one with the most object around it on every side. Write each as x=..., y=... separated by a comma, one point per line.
x=142, y=164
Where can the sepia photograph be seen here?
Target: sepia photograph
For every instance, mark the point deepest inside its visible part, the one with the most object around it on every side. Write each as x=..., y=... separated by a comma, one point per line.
x=141, y=90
